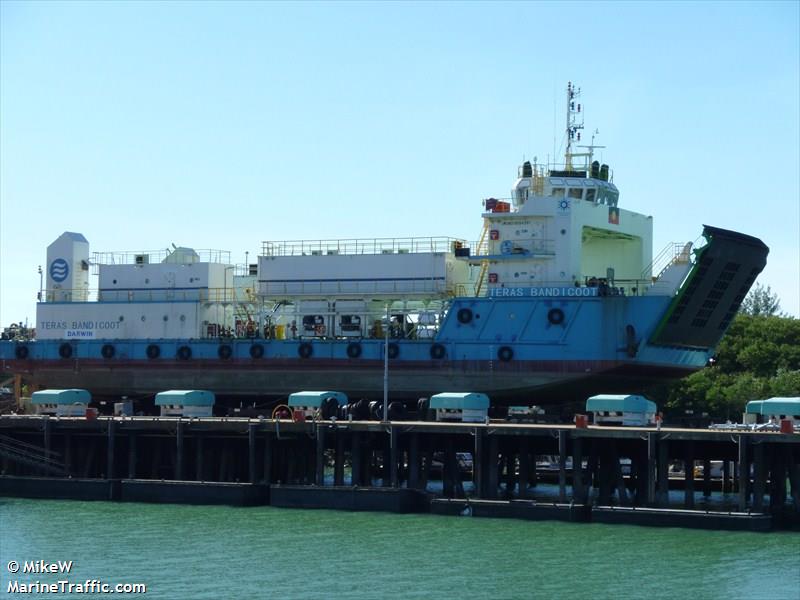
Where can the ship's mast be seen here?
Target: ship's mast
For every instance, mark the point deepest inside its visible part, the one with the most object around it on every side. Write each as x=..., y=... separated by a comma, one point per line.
x=574, y=122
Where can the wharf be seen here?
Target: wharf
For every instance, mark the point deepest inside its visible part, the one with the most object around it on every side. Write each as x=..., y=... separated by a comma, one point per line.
x=411, y=466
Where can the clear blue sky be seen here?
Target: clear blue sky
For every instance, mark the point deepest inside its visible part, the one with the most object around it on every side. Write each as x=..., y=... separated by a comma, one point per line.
x=223, y=125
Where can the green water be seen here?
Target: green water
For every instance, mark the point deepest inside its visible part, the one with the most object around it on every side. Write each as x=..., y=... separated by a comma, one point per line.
x=220, y=552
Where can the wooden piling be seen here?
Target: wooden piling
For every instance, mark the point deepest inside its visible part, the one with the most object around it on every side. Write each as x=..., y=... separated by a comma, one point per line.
x=652, y=453
x=110, y=434
x=198, y=456
x=492, y=479
x=268, y=457
x=338, y=460
x=393, y=457
x=524, y=466
x=179, y=450
x=479, y=463
x=132, y=455
x=562, y=465
x=252, y=431
x=662, y=496
x=319, y=456
x=413, y=460
x=760, y=476
x=578, y=488
x=744, y=472
x=688, y=469
x=355, y=459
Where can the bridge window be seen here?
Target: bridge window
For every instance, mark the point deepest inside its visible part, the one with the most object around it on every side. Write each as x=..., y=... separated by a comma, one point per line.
x=590, y=195
x=576, y=193
x=558, y=192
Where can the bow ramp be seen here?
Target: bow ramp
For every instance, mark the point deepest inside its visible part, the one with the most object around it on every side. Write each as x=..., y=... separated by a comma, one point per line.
x=722, y=274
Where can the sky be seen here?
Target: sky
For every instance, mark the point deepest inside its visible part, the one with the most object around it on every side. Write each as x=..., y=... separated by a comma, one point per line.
x=223, y=125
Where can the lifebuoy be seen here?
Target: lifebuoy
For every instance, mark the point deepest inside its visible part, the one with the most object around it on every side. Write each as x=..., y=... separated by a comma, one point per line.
x=464, y=315
x=224, y=351
x=184, y=353
x=438, y=351
x=505, y=353
x=393, y=350
x=21, y=352
x=555, y=316
x=305, y=350
x=354, y=350
x=256, y=351
x=108, y=351
x=65, y=350
x=153, y=351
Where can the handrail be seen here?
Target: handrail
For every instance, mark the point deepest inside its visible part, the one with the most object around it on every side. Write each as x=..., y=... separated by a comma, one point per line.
x=359, y=246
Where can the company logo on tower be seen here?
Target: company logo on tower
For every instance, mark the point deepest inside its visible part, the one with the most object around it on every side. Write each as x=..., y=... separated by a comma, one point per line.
x=59, y=269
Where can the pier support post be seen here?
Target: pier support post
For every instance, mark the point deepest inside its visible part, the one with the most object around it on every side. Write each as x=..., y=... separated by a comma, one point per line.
x=578, y=488
x=706, y=478
x=760, y=477
x=268, y=451
x=478, y=463
x=794, y=477
x=413, y=461
x=48, y=435
x=650, y=471
x=449, y=469
x=744, y=472
x=338, y=459
x=492, y=476
x=68, y=452
x=252, y=430
x=622, y=491
x=179, y=450
x=319, y=462
x=524, y=466
x=131, y=456
x=562, y=465
x=726, y=476
x=604, y=475
x=688, y=468
x=394, y=455
x=777, y=493
x=198, y=456
x=356, y=456
x=110, y=449
x=663, y=473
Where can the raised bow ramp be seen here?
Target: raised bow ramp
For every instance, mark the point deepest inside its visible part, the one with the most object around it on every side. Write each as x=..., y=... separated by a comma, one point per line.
x=706, y=303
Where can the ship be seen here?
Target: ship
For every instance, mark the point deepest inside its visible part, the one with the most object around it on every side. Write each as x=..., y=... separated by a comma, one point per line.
x=560, y=297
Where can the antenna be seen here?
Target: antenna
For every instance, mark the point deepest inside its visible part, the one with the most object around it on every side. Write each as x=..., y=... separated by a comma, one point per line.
x=574, y=122
x=591, y=147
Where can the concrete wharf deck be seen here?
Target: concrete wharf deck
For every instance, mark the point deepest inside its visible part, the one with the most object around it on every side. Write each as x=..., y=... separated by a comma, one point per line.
x=497, y=461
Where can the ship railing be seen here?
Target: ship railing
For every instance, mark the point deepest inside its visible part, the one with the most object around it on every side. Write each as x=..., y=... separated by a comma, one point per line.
x=360, y=246
x=668, y=255
x=144, y=257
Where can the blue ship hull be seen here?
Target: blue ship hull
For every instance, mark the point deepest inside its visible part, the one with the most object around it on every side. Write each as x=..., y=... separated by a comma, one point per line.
x=509, y=349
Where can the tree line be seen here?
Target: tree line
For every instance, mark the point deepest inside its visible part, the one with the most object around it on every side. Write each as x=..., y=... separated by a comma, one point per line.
x=758, y=358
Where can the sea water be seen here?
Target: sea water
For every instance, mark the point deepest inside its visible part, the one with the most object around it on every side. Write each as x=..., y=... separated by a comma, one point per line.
x=182, y=552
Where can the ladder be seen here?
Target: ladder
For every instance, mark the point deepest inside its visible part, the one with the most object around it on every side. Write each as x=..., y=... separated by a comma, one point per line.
x=482, y=250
